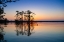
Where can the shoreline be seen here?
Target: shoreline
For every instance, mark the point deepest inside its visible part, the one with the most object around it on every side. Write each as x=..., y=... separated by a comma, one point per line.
x=30, y=21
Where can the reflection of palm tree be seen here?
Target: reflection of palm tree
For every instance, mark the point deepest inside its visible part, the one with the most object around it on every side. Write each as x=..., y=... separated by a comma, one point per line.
x=19, y=28
x=2, y=38
x=29, y=33
x=25, y=28
x=2, y=34
x=30, y=28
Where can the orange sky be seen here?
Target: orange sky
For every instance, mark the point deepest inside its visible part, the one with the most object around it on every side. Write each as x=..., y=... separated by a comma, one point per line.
x=39, y=16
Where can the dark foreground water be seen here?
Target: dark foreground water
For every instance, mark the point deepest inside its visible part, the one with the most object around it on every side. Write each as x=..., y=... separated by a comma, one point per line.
x=32, y=32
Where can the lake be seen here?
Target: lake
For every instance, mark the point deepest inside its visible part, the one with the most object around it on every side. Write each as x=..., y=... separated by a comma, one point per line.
x=32, y=32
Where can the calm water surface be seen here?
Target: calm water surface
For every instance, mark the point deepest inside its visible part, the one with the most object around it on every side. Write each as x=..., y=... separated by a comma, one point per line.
x=32, y=32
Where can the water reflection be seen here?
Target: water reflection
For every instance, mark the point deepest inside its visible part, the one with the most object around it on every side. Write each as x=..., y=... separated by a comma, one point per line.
x=32, y=32
x=25, y=28
x=2, y=32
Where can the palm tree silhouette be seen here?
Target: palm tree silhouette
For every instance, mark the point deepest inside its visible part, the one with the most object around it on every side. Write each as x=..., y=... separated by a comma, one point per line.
x=28, y=12
x=18, y=15
x=1, y=13
x=3, y=3
x=27, y=16
x=21, y=13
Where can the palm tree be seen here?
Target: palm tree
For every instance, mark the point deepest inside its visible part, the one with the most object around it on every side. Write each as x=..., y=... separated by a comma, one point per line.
x=1, y=12
x=28, y=12
x=21, y=13
x=3, y=3
x=17, y=15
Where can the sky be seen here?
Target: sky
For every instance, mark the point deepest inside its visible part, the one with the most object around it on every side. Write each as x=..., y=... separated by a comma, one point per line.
x=44, y=9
